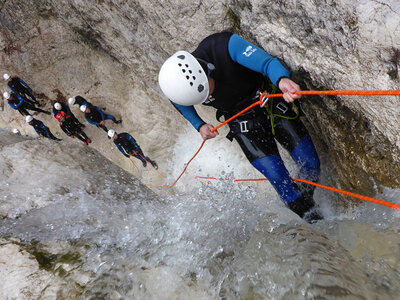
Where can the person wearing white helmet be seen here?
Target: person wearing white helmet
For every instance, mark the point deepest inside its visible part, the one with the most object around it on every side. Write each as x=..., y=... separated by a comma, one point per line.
x=40, y=128
x=128, y=147
x=61, y=106
x=16, y=131
x=228, y=73
x=18, y=86
x=17, y=102
x=77, y=100
x=94, y=115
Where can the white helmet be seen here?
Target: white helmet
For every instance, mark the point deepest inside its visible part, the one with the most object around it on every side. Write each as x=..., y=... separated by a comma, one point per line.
x=83, y=108
x=28, y=118
x=16, y=131
x=183, y=80
x=6, y=76
x=111, y=133
x=6, y=95
x=57, y=106
x=71, y=100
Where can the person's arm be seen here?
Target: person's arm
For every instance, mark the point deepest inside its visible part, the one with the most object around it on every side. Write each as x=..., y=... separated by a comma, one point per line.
x=256, y=59
x=91, y=121
x=122, y=150
x=190, y=114
x=100, y=112
x=24, y=84
x=16, y=106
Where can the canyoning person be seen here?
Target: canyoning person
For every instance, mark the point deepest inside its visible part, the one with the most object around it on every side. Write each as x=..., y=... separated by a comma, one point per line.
x=128, y=147
x=61, y=106
x=228, y=73
x=72, y=127
x=94, y=115
x=78, y=100
x=18, y=86
x=21, y=104
x=40, y=128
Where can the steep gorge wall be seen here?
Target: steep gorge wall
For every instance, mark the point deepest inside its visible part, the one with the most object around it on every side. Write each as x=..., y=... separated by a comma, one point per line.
x=110, y=52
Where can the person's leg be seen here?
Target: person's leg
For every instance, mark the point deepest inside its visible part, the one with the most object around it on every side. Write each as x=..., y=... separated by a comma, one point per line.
x=103, y=127
x=111, y=117
x=31, y=107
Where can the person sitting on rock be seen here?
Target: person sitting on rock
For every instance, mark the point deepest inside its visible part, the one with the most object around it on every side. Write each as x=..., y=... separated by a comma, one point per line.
x=72, y=127
x=21, y=104
x=18, y=86
x=94, y=115
x=40, y=128
x=128, y=147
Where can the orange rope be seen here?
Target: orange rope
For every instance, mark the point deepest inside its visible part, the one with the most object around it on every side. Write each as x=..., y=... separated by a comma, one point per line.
x=266, y=95
x=184, y=170
x=342, y=92
x=354, y=195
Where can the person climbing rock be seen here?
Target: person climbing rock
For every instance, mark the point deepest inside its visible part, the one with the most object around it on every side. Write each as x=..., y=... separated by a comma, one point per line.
x=128, y=147
x=18, y=86
x=60, y=106
x=21, y=104
x=40, y=128
x=94, y=115
x=78, y=100
x=72, y=127
x=228, y=73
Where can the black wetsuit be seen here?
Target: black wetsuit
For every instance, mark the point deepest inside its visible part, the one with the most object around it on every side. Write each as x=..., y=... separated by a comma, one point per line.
x=43, y=130
x=128, y=147
x=96, y=115
x=72, y=127
x=239, y=73
x=17, y=85
x=22, y=104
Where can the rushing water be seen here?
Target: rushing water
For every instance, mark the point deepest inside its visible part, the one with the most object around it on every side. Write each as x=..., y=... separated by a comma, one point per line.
x=103, y=234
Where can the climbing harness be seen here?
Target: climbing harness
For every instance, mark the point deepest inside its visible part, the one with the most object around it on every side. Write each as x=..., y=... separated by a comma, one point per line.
x=264, y=98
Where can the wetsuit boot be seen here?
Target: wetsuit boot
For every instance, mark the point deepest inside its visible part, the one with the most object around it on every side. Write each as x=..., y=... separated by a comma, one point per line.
x=153, y=163
x=305, y=207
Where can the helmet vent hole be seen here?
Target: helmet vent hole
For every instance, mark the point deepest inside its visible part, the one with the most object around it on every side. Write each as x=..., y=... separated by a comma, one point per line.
x=183, y=70
x=181, y=56
x=191, y=83
x=180, y=64
x=200, y=88
x=200, y=71
x=186, y=65
x=187, y=77
x=190, y=71
x=194, y=77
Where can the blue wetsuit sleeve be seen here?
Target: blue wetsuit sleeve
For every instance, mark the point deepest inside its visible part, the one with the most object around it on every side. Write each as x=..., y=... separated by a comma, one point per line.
x=23, y=83
x=12, y=105
x=256, y=59
x=190, y=114
x=132, y=140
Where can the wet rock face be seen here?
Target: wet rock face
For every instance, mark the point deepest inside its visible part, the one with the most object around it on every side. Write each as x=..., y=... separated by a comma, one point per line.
x=110, y=51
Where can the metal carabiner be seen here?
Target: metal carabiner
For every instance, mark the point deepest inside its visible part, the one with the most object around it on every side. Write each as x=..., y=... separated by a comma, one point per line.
x=264, y=100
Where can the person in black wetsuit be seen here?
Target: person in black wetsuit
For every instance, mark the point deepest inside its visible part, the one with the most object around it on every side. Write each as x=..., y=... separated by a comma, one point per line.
x=78, y=100
x=61, y=106
x=72, y=127
x=128, y=147
x=40, y=128
x=18, y=86
x=229, y=73
x=94, y=115
x=21, y=104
